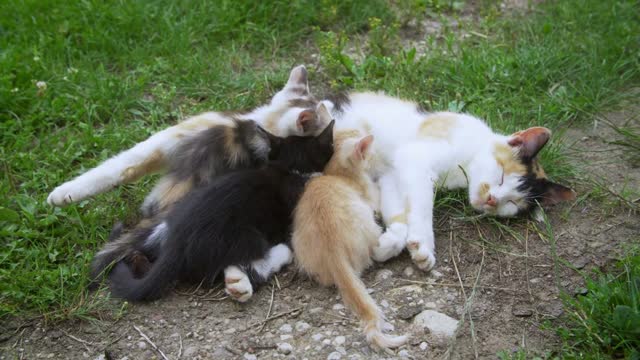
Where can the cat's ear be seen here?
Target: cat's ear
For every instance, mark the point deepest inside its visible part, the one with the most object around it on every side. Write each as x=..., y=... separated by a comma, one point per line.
x=530, y=141
x=361, y=150
x=306, y=121
x=274, y=141
x=323, y=114
x=326, y=136
x=556, y=193
x=298, y=80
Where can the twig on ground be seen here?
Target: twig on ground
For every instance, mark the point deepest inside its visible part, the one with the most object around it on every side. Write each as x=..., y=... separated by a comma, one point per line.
x=180, y=349
x=273, y=291
x=278, y=316
x=458, y=285
x=83, y=342
x=146, y=338
x=233, y=351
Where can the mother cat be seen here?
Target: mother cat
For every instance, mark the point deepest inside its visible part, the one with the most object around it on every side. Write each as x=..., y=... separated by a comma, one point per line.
x=414, y=151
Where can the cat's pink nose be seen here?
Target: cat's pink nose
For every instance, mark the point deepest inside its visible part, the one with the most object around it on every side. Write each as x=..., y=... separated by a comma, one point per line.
x=492, y=201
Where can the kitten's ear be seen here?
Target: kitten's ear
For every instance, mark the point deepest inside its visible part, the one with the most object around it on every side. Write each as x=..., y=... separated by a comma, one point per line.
x=556, y=193
x=306, y=121
x=298, y=80
x=323, y=114
x=530, y=141
x=361, y=150
x=274, y=141
x=326, y=136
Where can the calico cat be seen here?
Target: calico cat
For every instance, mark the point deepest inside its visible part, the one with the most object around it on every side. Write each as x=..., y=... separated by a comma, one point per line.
x=415, y=151
x=335, y=234
x=234, y=220
x=290, y=112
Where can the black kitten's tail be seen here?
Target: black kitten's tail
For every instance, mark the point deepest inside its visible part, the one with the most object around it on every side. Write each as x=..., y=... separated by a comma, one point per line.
x=147, y=236
x=164, y=271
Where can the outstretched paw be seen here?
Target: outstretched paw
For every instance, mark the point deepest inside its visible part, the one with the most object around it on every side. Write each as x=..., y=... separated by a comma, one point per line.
x=423, y=257
x=237, y=284
x=66, y=194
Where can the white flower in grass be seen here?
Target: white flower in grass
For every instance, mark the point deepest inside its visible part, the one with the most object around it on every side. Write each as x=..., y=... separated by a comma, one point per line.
x=72, y=70
x=15, y=90
x=41, y=85
x=36, y=58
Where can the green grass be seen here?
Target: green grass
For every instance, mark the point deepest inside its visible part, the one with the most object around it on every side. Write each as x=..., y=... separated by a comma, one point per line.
x=605, y=323
x=117, y=72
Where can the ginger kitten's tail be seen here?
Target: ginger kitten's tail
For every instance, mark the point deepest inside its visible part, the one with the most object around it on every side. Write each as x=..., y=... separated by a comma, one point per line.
x=355, y=295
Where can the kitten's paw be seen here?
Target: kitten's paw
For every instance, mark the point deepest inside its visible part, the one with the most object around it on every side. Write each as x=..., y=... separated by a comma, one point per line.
x=389, y=245
x=423, y=257
x=237, y=284
x=66, y=194
x=280, y=255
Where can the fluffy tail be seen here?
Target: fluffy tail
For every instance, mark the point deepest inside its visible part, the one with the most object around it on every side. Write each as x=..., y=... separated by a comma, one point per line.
x=164, y=271
x=145, y=236
x=356, y=297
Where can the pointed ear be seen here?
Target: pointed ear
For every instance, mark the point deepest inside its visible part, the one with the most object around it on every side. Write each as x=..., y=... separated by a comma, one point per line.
x=298, y=80
x=530, y=141
x=326, y=136
x=274, y=141
x=556, y=193
x=361, y=150
x=306, y=121
x=323, y=114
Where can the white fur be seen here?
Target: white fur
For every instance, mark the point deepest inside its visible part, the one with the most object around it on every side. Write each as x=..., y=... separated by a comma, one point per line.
x=158, y=235
x=277, y=257
x=110, y=173
x=409, y=167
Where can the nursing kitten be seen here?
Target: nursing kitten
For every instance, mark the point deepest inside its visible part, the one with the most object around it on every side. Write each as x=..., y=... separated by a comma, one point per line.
x=239, y=144
x=290, y=112
x=335, y=234
x=234, y=220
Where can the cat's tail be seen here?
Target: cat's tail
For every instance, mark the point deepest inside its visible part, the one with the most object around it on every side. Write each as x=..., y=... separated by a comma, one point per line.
x=164, y=271
x=355, y=295
x=146, y=235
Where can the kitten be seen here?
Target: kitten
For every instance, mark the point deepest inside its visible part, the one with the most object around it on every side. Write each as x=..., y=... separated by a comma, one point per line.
x=335, y=233
x=415, y=151
x=234, y=220
x=290, y=112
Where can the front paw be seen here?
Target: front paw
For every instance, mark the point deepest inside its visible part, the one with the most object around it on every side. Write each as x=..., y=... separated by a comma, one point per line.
x=237, y=284
x=423, y=256
x=65, y=194
x=390, y=244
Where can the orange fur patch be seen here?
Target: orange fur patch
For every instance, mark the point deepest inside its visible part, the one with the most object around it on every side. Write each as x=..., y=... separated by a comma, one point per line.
x=508, y=159
x=173, y=192
x=151, y=164
x=484, y=190
x=437, y=126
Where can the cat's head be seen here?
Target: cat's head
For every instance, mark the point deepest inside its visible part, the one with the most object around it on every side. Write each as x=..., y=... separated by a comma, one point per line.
x=292, y=110
x=351, y=153
x=512, y=181
x=305, y=154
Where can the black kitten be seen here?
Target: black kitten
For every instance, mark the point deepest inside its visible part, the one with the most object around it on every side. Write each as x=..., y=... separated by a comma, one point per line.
x=234, y=220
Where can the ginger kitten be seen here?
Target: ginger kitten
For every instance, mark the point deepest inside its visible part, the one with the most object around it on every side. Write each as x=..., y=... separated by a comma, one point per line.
x=335, y=234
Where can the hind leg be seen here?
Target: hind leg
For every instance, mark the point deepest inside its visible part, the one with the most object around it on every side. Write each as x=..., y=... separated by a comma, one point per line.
x=240, y=281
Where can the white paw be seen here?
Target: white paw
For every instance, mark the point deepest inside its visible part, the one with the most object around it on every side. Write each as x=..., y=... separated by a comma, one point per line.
x=237, y=284
x=66, y=194
x=422, y=255
x=389, y=245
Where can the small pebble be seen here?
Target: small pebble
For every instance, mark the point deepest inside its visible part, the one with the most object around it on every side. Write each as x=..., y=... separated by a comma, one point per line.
x=338, y=307
x=384, y=304
x=317, y=337
x=302, y=327
x=248, y=356
x=286, y=337
x=403, y=354
x=285, y=348
x=334, y=356
x=230, y=331
x=424, y=346
x=408, y=271
x=286, y=328
x=339, y=340
x=383, y=274
x=142, y=345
